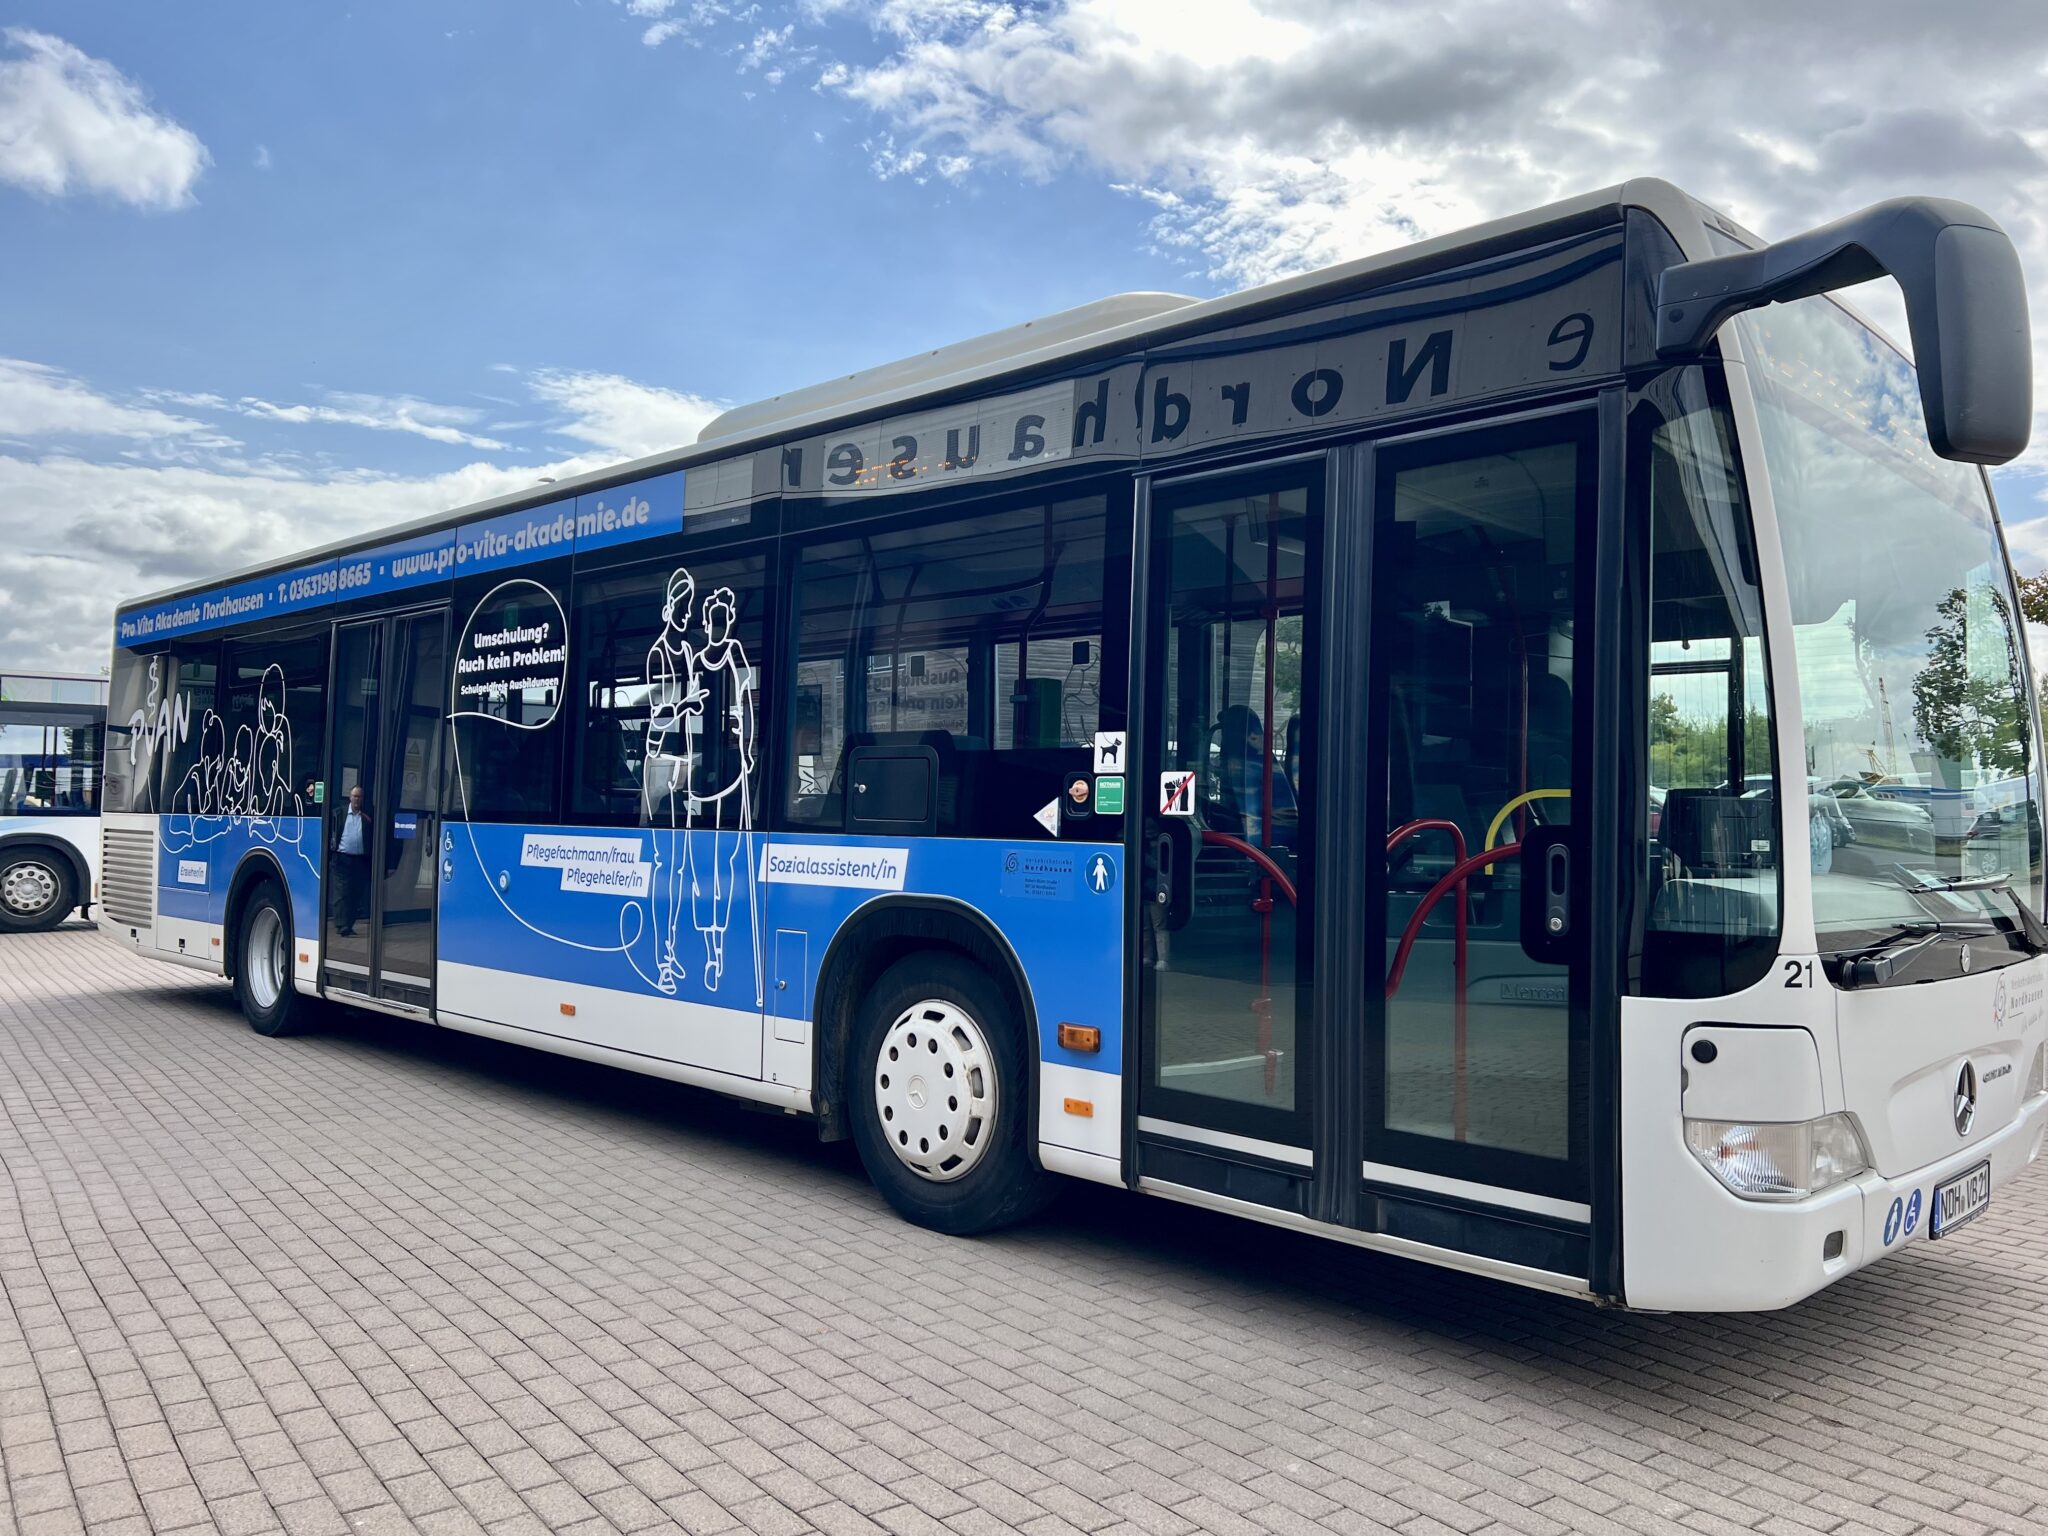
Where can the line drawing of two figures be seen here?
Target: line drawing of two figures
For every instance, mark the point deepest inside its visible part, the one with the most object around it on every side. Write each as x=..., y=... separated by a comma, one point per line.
x=702, y=719
x=247, y=783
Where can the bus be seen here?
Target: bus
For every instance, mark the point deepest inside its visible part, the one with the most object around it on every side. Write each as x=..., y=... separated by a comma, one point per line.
x=52, y=725
x=983, y=755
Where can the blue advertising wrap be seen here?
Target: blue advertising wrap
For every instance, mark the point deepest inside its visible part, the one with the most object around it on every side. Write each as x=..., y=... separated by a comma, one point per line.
x=694, y=914
x=262, y=597
x=642, y=509
x=197, y=857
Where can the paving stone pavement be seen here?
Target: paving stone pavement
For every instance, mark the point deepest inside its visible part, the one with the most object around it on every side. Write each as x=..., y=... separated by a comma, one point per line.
x=388, y=1278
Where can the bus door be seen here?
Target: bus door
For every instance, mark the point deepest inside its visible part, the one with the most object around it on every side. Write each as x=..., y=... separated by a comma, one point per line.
x=1480, y=651
x=1360, y=987
x=1227, y=968
x=382, y=808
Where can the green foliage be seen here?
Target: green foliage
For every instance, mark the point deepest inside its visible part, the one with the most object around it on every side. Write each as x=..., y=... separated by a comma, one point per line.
x=1693, y=754
x=1975, y=719
x=2034, y=598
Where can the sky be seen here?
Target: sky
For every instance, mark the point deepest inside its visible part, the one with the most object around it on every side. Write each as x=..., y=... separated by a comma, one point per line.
x=270, y=276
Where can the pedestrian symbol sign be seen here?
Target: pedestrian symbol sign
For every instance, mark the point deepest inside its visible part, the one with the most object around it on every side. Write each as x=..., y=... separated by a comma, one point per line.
x=1101, y=874
x=1177, y=792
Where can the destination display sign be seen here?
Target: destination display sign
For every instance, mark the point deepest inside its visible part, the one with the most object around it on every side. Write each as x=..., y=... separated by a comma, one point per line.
x=1541, y=318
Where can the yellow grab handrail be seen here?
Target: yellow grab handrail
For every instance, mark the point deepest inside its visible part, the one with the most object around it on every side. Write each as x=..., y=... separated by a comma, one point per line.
x=1514, y=805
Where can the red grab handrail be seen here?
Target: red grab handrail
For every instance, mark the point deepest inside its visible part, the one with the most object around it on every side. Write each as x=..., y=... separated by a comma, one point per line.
x=1456, y=878
x=1458, y=875
x=1258, y=856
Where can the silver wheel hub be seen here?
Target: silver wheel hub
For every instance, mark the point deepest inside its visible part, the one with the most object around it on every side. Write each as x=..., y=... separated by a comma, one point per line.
x=29, y=889
x=267, y=961
x=936, y=1091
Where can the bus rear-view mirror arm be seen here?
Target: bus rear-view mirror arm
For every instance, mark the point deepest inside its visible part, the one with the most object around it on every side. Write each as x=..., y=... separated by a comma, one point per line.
x=1966, y=307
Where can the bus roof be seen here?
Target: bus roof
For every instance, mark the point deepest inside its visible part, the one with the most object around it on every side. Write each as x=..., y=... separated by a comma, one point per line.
x=1122, y=323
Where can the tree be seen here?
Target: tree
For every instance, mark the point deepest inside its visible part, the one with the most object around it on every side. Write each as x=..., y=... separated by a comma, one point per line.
x=1972, y=719
x=2034, y=598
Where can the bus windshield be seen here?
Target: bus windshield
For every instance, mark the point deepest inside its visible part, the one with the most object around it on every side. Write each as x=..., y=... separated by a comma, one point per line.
x=1920, y=732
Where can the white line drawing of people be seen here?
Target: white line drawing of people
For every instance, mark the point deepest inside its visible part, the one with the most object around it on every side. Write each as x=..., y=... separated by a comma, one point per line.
x=730, y=805
x=247, y=786
x=675, y=712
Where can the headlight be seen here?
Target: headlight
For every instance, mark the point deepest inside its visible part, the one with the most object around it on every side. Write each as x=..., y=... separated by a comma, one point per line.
x=2037, y=1079
x=1778, y=1162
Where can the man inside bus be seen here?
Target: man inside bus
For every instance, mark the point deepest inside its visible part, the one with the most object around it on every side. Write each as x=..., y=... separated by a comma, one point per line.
x=351, y=850
x=1246, y=767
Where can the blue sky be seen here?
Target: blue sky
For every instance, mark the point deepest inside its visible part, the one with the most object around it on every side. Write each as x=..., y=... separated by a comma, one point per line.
x=269, y=275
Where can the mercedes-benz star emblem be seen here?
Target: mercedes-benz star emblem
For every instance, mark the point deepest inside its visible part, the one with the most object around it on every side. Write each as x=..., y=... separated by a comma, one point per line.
x=1966, y=1099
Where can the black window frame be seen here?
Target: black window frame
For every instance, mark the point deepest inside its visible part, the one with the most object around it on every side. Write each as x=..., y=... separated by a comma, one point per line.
x=816, y=525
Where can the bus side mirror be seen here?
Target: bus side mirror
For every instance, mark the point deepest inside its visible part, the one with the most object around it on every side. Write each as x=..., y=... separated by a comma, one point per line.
x=1966, y=307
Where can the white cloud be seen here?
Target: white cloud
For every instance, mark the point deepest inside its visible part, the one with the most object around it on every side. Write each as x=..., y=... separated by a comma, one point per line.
x=1267, y=137
x=622, y=418
x=672, y=19
x=380, y=413
x=39, y=401
x=175, y=501
x=767, y=47
x=73, y=123
x=82, y=536
x=262, y=157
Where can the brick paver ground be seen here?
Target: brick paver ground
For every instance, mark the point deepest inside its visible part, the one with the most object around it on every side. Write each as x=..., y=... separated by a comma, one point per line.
x=393, y=1279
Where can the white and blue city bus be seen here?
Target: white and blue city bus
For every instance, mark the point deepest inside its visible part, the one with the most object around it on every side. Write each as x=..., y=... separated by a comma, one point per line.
x=51, y=726
x=1379, y=754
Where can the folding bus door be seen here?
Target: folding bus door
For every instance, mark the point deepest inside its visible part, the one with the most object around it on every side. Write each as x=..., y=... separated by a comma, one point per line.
x=1475, y=1058
x=390, y=693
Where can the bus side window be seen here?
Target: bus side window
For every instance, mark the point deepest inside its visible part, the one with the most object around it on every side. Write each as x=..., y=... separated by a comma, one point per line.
x=978, y=636
x=1712, y=921
x=667, y=686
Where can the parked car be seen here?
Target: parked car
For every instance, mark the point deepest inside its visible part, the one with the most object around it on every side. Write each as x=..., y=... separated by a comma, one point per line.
x=1885, y=827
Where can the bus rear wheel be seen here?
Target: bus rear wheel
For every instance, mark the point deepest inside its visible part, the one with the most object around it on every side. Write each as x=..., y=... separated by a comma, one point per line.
x=263, y=966
x=940, y=1097
x=35, y=890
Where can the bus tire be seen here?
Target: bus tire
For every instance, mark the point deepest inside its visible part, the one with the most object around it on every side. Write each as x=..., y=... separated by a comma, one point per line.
x=263, y=968
x=940, y=1094
x=36, y=889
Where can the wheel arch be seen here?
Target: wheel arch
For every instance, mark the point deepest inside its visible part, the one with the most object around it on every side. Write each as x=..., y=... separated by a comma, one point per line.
x=68, y=856
x=257, y=867
x=878, y=935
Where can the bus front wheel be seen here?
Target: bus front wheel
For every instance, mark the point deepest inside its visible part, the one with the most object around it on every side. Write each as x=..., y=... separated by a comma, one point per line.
x=940, y=1097
x=35, y=890
x=263, y=966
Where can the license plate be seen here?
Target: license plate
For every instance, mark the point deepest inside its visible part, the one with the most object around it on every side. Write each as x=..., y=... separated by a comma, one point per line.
x=1962, y=1199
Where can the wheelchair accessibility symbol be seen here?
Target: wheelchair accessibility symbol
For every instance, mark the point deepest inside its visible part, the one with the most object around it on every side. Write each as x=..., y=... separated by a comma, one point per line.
x=1101, y=874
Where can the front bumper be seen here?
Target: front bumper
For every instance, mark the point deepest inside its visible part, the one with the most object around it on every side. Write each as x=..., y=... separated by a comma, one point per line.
x=1718, y=1253
x=2009, y=1149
